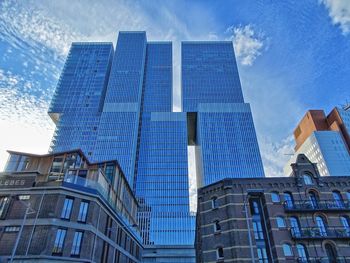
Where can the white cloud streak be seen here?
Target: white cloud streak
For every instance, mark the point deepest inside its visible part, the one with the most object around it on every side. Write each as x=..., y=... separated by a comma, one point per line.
x=339, y=11
x=247, y=43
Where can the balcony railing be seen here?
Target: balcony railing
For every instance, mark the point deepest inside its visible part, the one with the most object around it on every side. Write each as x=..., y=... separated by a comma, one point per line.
x=322, y=205
x=324, y=260
x=317, y=233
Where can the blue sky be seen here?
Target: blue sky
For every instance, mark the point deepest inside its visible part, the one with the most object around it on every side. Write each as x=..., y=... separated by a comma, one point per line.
x=293, y=56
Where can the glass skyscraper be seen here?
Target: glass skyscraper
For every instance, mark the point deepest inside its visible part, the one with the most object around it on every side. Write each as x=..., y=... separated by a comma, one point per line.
x=220, y=123
x=118, y=105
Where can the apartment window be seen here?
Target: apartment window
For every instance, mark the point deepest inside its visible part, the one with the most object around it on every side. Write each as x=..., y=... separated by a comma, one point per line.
x=219, y=253
x=67, y=208
x=83, y=210
x=287, y=250
x=76, y=247
x=214, y=202
x=302, y=253
x=346, y=224
x=322, y=226
x=280, y=222
x=313, y=197
x=307, y=179
x=258, y=230
x=217, y=226
x=288, y=198
x=275, y=197
x=338, y=199
x=262, y=255
x=11, y=229
x=255, y=207
x=295, y=226
x=59, y=241
x=348, y=195
x=4, y=205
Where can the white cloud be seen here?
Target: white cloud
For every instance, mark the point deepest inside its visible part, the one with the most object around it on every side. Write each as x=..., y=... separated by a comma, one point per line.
x=247, y=43
x=275, y=154
x=339, y=11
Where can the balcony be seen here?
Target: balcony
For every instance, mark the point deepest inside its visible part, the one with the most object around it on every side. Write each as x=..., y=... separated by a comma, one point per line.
x=317, y=233
x=322, y=205
x=323, y=260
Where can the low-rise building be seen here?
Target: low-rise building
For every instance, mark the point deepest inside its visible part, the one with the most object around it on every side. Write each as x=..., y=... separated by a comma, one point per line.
x=301, y=218
x=60, y=207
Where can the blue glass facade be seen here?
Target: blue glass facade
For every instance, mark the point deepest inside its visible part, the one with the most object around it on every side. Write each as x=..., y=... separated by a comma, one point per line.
x=117, y=105
x=162, y=169
x=225, y=134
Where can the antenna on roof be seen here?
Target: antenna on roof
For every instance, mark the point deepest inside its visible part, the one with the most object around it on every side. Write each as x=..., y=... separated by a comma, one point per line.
x=346, y=106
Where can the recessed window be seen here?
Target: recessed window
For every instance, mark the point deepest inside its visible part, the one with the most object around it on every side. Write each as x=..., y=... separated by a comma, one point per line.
x=83, y=210
x=217, y=226
x=338, y=199
x=59, y=241
x=302, y=253
x=288, y=199
x=280, y=222
x=307, y=179
x=287, y=250
x=219, y=253
x=275, y=197
x=67, y=208
x=76, y=247
x=4, y=205
x=262, y=255
x=214, y=202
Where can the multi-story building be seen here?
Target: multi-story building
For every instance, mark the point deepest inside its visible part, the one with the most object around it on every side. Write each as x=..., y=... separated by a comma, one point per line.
x=61, y=207
x=325, y=140
x=301, y=218
x=220, y=123
x=118, y=105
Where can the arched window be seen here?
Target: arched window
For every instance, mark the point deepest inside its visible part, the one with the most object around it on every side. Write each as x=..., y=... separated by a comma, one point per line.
x=287, y=250
x=338, y=199
x=346, y=224
x=295, y=226
x=322, y=226
x=331, y=253
x=219, y=253
x=217, y=226
x=348, y=195
x=313, y=197
x=302, y=253
x=288, y=198
x=280, y=222
x=214, y=202
x=275, y=197
x=307, y=179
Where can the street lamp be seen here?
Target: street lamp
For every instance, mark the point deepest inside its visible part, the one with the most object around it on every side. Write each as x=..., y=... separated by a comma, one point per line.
x=29, y=211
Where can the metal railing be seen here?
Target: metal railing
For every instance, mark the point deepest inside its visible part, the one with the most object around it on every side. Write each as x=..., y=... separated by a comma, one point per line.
x=321, y=205
x=318, y=233
x=323, y=260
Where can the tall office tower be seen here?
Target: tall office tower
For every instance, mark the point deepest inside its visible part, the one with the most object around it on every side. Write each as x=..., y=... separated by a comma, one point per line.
x=133, y=123
x=325, y=140
x=220, y=123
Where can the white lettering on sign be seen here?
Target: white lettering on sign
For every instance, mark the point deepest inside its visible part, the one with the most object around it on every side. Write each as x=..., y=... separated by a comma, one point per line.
x=12, y=182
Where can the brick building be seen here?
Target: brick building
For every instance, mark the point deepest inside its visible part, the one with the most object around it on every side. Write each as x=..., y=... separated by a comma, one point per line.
x=75, y=211
x=301, y=218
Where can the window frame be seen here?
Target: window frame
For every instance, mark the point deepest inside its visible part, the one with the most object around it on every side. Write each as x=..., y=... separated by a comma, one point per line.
x=281, y=219
x=70, y=204
x=284, y=246
x=82, y=217
x=59, y=241
x=76, y=248
x=214, y=202
x=275, y=195
x=218, y=250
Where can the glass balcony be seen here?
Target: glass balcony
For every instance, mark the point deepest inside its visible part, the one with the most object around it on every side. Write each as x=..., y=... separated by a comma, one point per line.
x=317, y=233
x=322, y=205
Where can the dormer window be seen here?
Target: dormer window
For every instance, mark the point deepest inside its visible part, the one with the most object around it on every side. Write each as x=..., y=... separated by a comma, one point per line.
x=307, y=179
